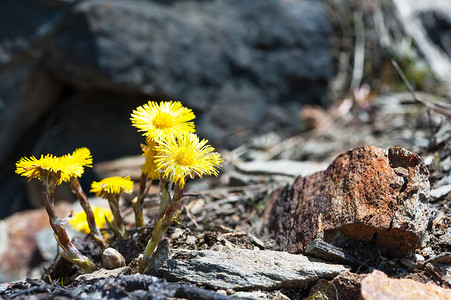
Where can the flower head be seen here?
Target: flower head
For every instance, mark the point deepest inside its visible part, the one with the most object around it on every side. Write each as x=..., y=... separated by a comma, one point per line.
x=149, y=168
x=74, y=163
x=159, y=120
x=79, y=221
x=81, y=157
x=112, y=185
x=186, y=156
x=58, y=168
x=33, y=167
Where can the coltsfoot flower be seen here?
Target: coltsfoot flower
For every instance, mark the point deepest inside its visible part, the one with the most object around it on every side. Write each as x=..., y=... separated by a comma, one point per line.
x=52, y=171
x=110, y=188
x=79, y=221
x=112, y=185
x=185, y=155
x=149, y=168
x=61, y=168
x=159, y=120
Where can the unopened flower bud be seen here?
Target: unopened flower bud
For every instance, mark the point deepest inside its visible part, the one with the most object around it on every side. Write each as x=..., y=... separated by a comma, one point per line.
x=112, y=259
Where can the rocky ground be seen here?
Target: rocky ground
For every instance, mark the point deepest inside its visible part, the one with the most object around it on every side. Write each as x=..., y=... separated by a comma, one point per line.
x=311, y=213
x=221, y=249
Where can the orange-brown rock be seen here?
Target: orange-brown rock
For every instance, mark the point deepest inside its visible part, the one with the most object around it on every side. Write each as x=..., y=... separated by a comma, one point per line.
x=366, y=194
x=345, y=286
x=378, y=286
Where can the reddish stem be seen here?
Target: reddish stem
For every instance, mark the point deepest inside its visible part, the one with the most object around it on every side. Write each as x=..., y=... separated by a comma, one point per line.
x=84, y=202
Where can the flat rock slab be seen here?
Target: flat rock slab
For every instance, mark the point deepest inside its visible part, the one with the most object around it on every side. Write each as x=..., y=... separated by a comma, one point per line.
x=243, y=269
x=366, y=194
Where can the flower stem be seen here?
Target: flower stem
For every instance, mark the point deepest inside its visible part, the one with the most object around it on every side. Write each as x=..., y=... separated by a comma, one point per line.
x=139, y=202
x=83, y=199
x=70, y=251
x=170, y=214
x=165, y=198
x=118, y=228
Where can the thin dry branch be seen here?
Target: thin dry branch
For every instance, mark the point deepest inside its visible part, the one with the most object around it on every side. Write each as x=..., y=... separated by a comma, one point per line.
x=441, y=108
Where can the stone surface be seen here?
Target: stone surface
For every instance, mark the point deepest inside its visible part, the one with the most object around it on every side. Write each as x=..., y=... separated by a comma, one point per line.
x=377, y=286
x=102, y=273
x=328, y=252
x=440, y=268
x=243, y=269
x=366, y=194
x=344, y=286
x=440, y=192
x=231, y=74
x=27, y=91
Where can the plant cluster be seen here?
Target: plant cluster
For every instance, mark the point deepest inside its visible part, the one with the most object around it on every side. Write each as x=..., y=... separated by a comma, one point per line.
x=172, y=153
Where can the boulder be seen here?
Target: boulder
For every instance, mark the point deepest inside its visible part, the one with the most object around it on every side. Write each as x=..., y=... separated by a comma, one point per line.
x=230, y=60
x=366, y=194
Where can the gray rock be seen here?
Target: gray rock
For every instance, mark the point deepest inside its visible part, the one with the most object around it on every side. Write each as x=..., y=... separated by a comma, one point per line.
x=24, y=23
x=158, y=258
x=27, y=91
x=229, y=59
x=440, y=191
x=329, y=252
x=243, y=269
x=148, y=47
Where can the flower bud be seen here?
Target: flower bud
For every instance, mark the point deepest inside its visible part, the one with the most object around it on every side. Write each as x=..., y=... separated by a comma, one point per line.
x=112, y=259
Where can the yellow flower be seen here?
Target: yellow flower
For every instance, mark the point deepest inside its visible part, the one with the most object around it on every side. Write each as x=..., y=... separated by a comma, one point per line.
x=33, y=167
x=112, y=185
x=149, y=168
x=80, y=157
x=159, y=120
x=186, y=156
x=80, y=223
x=60, y=168
x=74, y=163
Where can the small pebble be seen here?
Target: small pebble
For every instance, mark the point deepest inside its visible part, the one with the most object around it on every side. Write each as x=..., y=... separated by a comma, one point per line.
x=427, y=251
x=177, y=233
x=191, y=240
x=418, y=258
